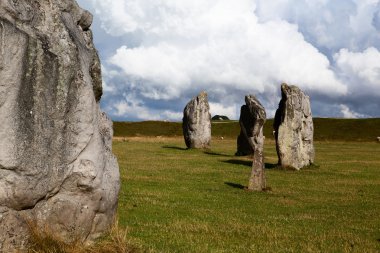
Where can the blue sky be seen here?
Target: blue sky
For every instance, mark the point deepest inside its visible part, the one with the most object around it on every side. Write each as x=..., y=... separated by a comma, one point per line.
x=158, y=54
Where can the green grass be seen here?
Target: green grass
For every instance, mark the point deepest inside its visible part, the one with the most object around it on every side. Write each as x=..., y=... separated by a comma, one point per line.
x=325, y=129
x=178, y=200
x=147, y=128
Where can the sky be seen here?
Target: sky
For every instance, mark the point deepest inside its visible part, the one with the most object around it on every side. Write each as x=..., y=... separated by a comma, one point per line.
x=158, y=54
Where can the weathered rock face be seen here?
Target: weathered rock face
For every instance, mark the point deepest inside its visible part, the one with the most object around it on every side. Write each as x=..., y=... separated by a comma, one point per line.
x=293, y=126
x=197, y=122
x=56, y=164
x=252, y=119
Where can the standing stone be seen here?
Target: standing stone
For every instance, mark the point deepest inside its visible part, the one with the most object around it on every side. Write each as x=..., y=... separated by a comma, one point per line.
x=244, y=142
x=293, y=126
x=252, y=120
x=197, y=122
x=57, y=169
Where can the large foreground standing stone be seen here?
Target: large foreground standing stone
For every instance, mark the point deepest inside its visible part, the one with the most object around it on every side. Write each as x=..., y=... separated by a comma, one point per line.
x=252, y=120
x=293, y=126
x=197, y=122
x=56, y=166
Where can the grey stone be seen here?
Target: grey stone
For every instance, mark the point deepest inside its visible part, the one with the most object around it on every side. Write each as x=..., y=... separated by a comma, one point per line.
x=86, y=20
x=252, y=120
x=293, y=126
x=196, y=123
x=246, y=121
x=57, y=169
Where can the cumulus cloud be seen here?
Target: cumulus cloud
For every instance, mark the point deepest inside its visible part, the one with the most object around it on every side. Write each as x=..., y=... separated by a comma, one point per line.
x=329, y=25
x=136, y=109
x=221, y=43
x=173, y=49
x=168, y=67
x=229, y=111
x=348, y=113
x=361, y=70
x=376, y=19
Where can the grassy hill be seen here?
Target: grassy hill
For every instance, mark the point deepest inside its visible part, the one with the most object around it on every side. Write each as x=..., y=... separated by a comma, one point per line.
x=326, y=129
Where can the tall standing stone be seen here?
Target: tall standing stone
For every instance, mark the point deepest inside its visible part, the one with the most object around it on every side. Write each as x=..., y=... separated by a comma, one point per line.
x=244, y=140
x=252, y=121
x=197, y=122
x=293, y=126
x=57, y=169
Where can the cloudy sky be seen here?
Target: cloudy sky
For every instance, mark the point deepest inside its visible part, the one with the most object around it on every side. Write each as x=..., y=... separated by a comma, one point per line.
x=158, y=54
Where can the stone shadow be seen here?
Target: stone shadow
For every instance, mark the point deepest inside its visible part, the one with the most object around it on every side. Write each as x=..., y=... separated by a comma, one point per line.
x=239, y=162
x=234, y=185
x=271, y=166
x=268, y=166
x=209, y=152
x=174, y=147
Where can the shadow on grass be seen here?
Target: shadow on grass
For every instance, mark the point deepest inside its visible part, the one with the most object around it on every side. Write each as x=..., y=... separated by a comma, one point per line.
x=174, y=147
x=239, y=162
x=209, y=152
x=268, y=166
x=272, y=166
x=234, y=185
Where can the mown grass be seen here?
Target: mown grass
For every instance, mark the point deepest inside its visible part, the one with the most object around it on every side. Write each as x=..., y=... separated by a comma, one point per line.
x=325, y=129
x=178, y=200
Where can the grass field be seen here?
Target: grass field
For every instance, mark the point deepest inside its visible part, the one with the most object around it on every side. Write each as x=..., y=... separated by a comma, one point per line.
x=325, y=129
x=178, y=200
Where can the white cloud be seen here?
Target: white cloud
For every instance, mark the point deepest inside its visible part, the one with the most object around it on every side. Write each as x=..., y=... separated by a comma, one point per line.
x=136, y=109
x=327, y=24
x=230, y=111
x=348, y=113
x=172, y=49
x=361, y=70
x=116, y=15
x=106, y=74
x=203, y=44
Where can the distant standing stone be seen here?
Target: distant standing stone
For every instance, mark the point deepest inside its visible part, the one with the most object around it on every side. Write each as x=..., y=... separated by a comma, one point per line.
x=197, y=122
x=246, y=121
x=252, y=121
x=293, y=126
x=220, y=117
